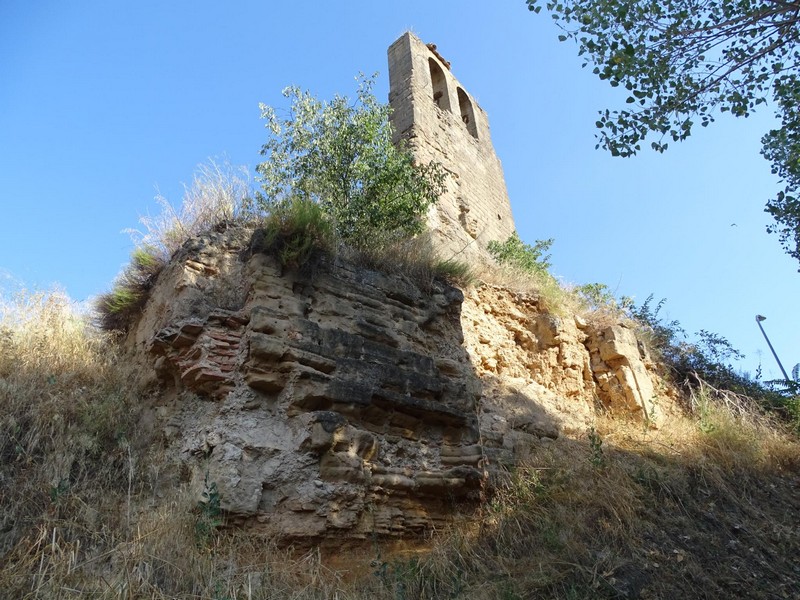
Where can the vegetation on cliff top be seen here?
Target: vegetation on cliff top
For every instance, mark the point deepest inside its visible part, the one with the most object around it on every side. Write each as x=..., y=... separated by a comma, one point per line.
x=219, y=195
x=340, y=155
x=333, y=181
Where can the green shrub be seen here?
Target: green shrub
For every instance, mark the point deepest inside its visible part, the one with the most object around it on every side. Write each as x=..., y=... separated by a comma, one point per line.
x=294, y=229
x=525, y=268
x=600, y=296
x=208, y=513
x=118, y=308
x=516, y=253
x=707, y=358
x=793, y=409
x=340, y=154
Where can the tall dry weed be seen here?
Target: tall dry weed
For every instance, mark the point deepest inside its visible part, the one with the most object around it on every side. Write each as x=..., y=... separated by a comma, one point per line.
x=66, y=421
x=45, y=336
x=219, y=193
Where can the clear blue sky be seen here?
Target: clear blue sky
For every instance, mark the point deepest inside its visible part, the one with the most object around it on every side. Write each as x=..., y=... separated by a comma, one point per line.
x=101, y=102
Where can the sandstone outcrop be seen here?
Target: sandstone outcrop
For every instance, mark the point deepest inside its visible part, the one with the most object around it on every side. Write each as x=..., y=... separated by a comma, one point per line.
x=333, y=400
x=339, y=402
x=619, y=365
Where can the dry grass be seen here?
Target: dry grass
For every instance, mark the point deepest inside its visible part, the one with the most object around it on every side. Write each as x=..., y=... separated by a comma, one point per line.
x=705, y=506
x=414, y=257
x=219, y=194
x=633, y=516
x=553, y=297
x=65, y=423
x=603, y=317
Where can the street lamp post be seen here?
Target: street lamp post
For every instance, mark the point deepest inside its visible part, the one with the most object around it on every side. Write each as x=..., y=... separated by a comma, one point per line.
x=760, y=318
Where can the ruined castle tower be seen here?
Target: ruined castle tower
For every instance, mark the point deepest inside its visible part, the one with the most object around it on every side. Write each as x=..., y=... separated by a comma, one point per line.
x=441, y=122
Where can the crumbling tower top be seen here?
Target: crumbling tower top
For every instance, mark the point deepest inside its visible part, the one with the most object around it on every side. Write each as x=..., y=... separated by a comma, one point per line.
x=441, y=122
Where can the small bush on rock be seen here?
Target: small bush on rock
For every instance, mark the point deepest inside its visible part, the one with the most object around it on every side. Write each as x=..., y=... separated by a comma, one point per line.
x=516, y=253
x=294, y=229
x=118, y=308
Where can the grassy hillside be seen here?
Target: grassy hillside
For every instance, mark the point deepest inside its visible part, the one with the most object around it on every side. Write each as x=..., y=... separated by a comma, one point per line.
x=704, y=507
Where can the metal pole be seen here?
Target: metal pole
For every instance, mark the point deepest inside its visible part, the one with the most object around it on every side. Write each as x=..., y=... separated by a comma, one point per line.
x=760, y=318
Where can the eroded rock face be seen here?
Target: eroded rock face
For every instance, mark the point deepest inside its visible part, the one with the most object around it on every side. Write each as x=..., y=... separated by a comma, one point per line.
x=339, y=402
x=534, y=369
x=624, y=384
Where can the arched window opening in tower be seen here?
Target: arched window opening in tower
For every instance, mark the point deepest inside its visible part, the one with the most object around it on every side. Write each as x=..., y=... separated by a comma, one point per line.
x=439, y=85
x=467, y=114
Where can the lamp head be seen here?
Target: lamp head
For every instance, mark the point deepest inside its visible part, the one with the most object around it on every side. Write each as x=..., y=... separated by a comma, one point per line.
x=760, y=318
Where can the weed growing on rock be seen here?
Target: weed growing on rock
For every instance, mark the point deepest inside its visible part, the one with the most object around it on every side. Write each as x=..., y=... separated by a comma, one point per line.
x=219, y=194
x=119, y=307
x=455, y=271
x=294, y=230
x=208, y=513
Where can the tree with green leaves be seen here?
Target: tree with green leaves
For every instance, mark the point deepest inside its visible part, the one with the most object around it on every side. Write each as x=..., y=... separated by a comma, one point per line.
x=340, y=154
x=681, y=62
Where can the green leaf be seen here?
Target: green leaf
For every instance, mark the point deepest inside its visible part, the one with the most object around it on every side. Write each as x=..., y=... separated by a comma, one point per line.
x=681, y=58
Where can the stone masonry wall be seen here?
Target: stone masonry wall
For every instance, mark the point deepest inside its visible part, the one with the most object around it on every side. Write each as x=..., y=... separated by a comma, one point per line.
x=441, y=122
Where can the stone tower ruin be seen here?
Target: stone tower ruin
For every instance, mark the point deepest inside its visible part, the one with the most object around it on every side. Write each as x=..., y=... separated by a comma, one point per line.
x=441, y=122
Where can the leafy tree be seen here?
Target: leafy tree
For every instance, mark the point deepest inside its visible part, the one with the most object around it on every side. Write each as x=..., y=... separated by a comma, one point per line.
x=782, y=147
x=340, y=153
x=683, y=60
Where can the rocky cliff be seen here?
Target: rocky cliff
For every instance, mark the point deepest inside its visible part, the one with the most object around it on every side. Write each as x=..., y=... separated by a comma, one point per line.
x=340, y=402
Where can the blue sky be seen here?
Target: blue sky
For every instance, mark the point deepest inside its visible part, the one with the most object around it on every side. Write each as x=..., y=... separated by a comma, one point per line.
x=103, y=102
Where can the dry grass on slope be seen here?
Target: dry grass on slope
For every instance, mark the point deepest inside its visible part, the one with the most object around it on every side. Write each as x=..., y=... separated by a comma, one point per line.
x=552, y=296
x=705, y=507
x=65, y=429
